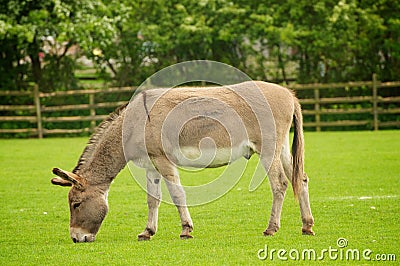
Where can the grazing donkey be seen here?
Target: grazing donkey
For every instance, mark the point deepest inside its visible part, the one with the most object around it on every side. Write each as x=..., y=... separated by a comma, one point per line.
x=150, y=133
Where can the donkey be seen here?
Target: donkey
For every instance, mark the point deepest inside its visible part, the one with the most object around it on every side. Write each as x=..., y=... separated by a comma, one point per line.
x=151, y=133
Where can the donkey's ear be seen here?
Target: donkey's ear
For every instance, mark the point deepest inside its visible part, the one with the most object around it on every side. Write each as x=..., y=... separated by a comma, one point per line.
x=61, y=182
x=67, y=177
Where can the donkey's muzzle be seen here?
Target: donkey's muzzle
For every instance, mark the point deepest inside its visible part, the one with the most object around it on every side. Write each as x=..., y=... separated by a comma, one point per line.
x=79, y=236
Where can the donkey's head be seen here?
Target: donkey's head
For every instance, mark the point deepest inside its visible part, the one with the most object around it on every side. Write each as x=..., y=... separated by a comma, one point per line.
x=87, y=203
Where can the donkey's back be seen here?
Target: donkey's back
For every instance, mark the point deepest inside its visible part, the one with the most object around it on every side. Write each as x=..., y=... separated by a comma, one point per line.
x=232, y=121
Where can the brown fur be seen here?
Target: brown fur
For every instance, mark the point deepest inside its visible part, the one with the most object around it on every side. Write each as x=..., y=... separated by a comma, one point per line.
x=152, y=128
x=297, y=150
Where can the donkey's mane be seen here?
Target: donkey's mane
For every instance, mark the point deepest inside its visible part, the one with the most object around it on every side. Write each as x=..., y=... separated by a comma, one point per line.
x=96, y=137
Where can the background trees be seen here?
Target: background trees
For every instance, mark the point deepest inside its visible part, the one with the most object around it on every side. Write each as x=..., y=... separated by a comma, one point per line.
x=302, y=40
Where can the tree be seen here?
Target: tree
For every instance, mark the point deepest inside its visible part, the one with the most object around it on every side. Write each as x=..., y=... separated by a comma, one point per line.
x=305, y=40
x=36, y=37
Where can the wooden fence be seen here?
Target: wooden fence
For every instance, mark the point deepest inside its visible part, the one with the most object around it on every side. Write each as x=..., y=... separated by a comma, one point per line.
x=374, y=106
x=319, y=112
x=40, y=112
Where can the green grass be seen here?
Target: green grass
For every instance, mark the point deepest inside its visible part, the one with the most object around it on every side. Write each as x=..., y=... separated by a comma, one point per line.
x=342, y=167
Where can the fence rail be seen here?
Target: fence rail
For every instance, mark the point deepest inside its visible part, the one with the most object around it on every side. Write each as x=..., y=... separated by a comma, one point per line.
x=375, y=107
x=318, y=110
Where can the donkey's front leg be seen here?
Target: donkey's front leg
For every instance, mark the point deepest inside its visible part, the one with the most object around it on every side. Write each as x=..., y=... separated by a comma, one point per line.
x=179, y=198
x=171, y=176
x=153, y=202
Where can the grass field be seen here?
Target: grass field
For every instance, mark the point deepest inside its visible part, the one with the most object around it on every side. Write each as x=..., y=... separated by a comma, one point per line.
x=354, y=190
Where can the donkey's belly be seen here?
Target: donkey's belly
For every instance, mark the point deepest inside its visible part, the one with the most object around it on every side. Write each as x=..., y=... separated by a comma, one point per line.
x=201, y=157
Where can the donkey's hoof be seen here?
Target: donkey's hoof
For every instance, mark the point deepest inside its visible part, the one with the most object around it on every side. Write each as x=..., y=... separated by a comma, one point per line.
x=185, y=236
x=308, y=232
x=143, y=237
x=269, y=232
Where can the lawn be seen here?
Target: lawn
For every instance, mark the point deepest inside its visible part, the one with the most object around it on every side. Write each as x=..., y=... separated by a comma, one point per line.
x=354, y=192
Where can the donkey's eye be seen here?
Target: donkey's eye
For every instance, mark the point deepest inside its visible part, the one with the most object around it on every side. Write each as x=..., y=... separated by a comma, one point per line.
x=76, y=205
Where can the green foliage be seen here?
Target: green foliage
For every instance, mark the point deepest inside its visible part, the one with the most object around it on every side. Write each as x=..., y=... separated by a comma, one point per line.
x=36, y=36
x=58, y=73
x=302, y=40
x=344, y=169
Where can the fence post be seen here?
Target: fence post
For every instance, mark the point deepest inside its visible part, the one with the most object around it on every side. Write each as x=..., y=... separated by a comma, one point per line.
x=375, y=101
x=36, y=99
x=317, y=110
x=92, y=112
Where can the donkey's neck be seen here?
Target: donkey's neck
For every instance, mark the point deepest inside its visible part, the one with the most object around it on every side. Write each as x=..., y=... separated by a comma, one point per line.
x=104, y=157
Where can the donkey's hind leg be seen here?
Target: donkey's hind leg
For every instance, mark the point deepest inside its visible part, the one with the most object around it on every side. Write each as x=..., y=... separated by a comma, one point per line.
x=171, y=175
x=279, y=183
x=153, y=203
x=305, y=209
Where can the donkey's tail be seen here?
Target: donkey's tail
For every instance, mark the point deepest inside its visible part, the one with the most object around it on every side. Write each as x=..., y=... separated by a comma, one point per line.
x=297, y=149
